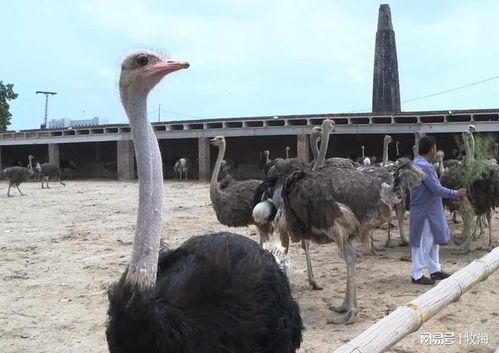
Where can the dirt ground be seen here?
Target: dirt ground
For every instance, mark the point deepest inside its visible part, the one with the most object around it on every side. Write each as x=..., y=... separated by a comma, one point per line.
x=61, y=248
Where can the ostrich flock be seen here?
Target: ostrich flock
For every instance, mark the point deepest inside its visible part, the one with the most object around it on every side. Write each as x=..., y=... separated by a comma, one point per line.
x=224, y=292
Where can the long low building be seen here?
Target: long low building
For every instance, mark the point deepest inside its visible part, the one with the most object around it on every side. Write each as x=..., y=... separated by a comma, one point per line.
x=106, y=151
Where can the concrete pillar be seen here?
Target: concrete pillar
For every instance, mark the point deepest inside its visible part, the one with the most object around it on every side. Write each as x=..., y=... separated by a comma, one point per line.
x=303, y=147
x=125, y=155
x=386, y=91
x=54, y=154
x=204, y=158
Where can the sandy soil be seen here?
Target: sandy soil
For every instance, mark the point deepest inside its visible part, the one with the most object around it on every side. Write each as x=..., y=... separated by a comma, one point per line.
x=61, y=248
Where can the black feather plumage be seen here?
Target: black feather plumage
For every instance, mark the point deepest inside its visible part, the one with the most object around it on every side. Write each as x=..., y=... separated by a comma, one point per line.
x=215, y=293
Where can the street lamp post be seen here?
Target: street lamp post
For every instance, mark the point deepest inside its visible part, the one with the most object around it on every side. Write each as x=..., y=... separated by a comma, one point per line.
x=47, y=94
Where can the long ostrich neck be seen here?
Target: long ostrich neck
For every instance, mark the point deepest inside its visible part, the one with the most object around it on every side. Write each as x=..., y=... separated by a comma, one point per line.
x=314, y=141
x=441, y=164
x=324, y=144
x=218, y=165
x=143, y=265
x=469, y=153
x=363, y=151
x=267, y=157
x=496, y=149
x=30, y=166
x=397, y=148
x=385, y=152
x=472, y=144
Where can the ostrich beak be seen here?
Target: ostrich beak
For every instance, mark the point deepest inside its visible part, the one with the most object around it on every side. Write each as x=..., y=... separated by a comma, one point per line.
x=166, y=66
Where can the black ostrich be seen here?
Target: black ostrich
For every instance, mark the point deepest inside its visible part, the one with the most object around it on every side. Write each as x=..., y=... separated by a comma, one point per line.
x=216, y=292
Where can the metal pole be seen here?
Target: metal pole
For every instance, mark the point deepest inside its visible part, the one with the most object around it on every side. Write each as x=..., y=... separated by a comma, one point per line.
x=46, y=93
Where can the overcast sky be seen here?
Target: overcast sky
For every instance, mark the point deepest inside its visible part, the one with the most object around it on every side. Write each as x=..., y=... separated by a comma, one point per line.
x=248, y=57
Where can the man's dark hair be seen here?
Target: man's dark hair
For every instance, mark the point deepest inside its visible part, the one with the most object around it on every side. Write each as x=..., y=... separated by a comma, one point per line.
x=425, y=144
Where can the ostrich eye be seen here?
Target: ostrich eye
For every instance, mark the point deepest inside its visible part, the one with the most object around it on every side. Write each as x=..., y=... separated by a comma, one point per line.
x=142, y=60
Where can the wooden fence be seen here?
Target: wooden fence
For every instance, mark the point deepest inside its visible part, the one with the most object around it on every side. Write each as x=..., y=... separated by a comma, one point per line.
x=409, y=318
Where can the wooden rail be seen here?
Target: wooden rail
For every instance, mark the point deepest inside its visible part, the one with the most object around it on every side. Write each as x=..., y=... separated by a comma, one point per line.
x=409, y=318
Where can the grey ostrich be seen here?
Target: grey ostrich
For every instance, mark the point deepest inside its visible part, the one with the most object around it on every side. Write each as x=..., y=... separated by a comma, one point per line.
x=386, y=143
x=16, y=175
x=268, y=195
x=30, y=165
x=232, y=200
x=182, y=166
x=363, y=159
x=332, y=162
x=48, y=171
x=216, y=293
x=337, y=205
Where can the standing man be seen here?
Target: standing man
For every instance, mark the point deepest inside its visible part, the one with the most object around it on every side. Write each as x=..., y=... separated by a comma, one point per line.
x=428, y=226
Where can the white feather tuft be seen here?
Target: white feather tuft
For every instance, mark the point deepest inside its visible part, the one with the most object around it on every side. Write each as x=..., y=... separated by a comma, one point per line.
x=261, y=213
x=279, y=253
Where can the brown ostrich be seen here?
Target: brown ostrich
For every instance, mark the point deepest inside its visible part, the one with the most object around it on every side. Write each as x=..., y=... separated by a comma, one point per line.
x=337, y=205
x=232, y=200
x=216, y=292
x=16, y=176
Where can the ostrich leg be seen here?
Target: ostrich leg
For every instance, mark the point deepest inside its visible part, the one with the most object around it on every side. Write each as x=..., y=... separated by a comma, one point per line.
x=389, y=236
x=8, y=190
x=348, y=310
x=17, y=186
x=264, y=235
x=489, y=221
x=400, y=212
x=311, y=279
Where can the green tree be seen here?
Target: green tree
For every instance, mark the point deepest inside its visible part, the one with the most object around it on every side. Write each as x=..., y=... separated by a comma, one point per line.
x=6, y=94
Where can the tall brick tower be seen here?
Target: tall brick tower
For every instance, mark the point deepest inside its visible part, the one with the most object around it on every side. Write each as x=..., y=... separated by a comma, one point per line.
x=386, y=90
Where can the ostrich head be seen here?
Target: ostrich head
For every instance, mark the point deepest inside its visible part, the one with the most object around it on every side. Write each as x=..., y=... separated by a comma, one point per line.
x=326, y=128
x=140, y=72
x=471, y=128
x=388, y=139
x=317, y=130
x=218, y=141
x=389, y=195
x=440, y=156
x=316, y=133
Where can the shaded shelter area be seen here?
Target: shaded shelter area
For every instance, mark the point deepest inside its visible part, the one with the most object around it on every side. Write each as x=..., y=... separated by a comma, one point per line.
x=172, y=150
x=91, y=159
x=17, y=155
x=245, y=154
